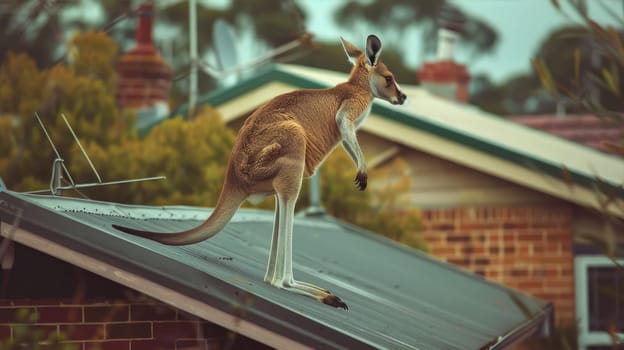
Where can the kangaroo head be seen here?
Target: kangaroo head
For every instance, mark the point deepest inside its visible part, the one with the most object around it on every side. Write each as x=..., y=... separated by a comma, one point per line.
x=380, y=78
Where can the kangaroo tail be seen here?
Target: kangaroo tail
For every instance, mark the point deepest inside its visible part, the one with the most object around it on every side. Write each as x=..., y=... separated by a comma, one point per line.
x=229, y=202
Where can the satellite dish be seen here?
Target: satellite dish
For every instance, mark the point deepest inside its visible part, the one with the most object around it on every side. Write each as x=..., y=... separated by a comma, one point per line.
x=223, y=38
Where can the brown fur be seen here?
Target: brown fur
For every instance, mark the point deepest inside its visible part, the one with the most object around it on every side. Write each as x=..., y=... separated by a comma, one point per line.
x=284, y=141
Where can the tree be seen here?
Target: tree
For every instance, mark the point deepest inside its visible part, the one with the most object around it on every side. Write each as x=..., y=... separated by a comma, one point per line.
x=381, y=209
x=87, y=101
x=569, y=57
x=92, y=55
x=32, y=27
x=399, y=15
x=594, y=83
x=191, y=154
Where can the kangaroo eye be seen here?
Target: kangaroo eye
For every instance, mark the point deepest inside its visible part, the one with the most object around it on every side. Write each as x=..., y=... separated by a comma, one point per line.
x=388, y=79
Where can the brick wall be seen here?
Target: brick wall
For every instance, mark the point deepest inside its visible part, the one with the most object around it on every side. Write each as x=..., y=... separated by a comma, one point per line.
x=118, y=326
x=526, y=248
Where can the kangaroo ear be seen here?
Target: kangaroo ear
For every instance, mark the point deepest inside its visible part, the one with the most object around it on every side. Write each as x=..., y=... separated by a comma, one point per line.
x=351, y=50
x=373, y=49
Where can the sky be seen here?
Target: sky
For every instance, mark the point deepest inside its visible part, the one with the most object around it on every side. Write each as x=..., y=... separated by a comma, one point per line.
x=521, y=24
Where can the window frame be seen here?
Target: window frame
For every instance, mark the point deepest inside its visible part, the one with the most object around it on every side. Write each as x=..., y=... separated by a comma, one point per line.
x=587, y=338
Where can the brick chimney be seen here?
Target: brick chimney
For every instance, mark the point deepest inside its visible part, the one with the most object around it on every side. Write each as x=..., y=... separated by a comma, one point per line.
x=144, y=77
x=444, y=76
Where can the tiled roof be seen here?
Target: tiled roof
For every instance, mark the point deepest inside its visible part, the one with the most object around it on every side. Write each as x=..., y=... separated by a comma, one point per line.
x=586, y=129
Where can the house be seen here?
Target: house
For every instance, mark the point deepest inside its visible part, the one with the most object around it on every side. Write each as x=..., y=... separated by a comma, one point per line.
x=505, y=201
x=88, y=281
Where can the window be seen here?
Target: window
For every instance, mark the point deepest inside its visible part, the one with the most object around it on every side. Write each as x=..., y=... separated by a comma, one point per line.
x=599, y=300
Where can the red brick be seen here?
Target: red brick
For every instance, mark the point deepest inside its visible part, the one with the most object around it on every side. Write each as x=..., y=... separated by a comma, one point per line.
x=443, y=227
x=530, y=285
x=179, y=329
x=59, y=314
x=508, y=237
x=457, y=238
x=129, y=330
x=481, y=261
x=5, y=332
x=156, y=312
x=480, y=272
x=152, y=344
x=459, y=262
x=493, y=274
x=83, y=331
x=534, y=237
x=16, y=315
x=443, y=251
x=478, y=226
x=44, y=330
x=524, y=249
x=519, y=272
x=195, y=344
x=108, y=345
x=544, y=272
x=515, y=225
x=556, y=283
x=494, y=250
x=41, y=302
x=107, y=313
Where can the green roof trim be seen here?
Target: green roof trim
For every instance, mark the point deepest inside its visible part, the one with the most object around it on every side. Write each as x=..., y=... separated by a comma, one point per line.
x=222, y=95
x=529, y=161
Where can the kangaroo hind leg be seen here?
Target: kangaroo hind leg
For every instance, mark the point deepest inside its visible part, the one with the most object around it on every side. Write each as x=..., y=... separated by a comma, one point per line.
x=287, y=184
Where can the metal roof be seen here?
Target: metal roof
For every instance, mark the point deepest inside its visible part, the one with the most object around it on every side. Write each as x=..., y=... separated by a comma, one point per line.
x=398, y=298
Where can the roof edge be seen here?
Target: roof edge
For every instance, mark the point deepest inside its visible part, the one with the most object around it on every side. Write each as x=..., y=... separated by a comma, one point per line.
x=153, y=289
x=558, y=171
x=541, y=325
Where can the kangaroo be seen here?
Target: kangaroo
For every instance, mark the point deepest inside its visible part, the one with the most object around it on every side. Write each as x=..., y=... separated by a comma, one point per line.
x=286, y=140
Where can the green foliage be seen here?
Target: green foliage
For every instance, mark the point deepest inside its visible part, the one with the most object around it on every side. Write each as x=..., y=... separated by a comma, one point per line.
x=584, y=64
x=597, y=89
x=92, y=55
x=30, y=27
x=27, y=336
x=379, y=209
x=191, y=154
x=87, y=101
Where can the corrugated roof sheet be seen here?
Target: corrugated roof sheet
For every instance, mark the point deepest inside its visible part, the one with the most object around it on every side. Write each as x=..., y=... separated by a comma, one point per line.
x=398, y=298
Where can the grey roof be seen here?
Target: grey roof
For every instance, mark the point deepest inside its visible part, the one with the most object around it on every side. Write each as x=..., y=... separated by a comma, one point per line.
x=398, y=298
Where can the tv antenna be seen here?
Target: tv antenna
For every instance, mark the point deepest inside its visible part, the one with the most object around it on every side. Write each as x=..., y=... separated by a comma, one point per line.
x=225, y=51
x=60, y=171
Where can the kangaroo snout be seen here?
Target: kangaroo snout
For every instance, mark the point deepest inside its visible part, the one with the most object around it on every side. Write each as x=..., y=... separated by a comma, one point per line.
x=399, y=98
x=402, y=97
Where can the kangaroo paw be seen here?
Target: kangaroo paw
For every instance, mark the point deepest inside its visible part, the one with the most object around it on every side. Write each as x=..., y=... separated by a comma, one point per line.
x=335, y=301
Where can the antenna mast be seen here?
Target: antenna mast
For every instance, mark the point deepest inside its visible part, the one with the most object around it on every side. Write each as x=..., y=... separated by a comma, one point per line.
x=58, y=168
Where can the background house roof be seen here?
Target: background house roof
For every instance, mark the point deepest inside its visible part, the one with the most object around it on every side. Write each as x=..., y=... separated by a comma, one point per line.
x=457, y=132
x=397, y=298
x=589, y=130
